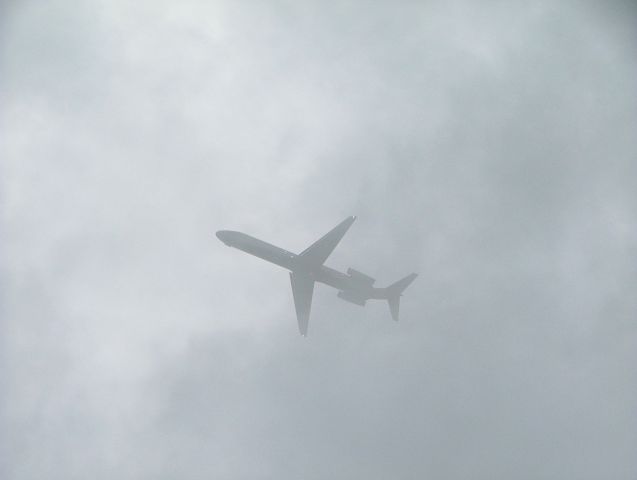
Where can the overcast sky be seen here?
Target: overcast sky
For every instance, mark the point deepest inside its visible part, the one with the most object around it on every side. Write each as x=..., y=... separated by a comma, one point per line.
x=489, y=146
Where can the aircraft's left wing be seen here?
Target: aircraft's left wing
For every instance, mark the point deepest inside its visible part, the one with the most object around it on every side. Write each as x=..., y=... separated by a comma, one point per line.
x=302, y=289
x=317, y=253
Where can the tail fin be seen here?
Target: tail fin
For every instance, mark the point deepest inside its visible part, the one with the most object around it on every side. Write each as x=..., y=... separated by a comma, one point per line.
x=395, y=290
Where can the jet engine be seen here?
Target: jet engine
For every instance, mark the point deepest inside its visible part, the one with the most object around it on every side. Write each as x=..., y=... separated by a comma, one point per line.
x=349, y=297
x=360, y=277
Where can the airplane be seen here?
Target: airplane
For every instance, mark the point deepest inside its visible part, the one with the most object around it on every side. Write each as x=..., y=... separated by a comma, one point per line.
x=307, y=267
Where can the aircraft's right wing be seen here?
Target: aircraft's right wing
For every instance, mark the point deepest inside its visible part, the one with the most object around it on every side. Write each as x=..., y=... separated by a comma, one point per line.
x=302, y=289
x=317, y=253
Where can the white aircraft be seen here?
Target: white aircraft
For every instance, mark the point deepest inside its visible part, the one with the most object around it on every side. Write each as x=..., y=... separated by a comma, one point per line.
x=307, y=268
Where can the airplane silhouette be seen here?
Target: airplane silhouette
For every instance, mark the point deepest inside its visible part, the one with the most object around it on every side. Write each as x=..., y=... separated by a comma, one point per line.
x=307, y=268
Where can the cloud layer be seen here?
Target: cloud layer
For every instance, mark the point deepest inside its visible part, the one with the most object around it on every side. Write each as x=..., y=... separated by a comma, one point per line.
x=489, y=147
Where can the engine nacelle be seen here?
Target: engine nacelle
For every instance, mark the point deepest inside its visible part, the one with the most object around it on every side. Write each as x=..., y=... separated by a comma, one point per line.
x=348, y=297
x=360, y=277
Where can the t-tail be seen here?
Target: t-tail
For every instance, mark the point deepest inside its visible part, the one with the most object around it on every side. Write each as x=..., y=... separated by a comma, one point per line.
x=395, y=290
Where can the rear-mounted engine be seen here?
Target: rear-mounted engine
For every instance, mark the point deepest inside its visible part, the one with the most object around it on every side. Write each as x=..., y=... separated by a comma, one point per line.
x=348, y=297
x=360, y=277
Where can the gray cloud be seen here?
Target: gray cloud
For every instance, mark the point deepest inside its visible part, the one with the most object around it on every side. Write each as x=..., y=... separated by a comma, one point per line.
x=488, y=147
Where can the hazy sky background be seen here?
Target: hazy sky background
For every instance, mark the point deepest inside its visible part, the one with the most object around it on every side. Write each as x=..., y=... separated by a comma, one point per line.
x=489, y=146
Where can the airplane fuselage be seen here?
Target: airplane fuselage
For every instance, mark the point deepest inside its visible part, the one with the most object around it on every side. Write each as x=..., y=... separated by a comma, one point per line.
x=295, y=263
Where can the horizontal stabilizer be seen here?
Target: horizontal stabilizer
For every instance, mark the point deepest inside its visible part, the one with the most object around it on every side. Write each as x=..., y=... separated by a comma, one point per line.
x=398, y=287
x=394, y=307
x=394, y=291
x=317, y=253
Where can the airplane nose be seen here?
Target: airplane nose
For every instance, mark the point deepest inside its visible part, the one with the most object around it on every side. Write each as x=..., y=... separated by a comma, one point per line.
x=224, y=236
